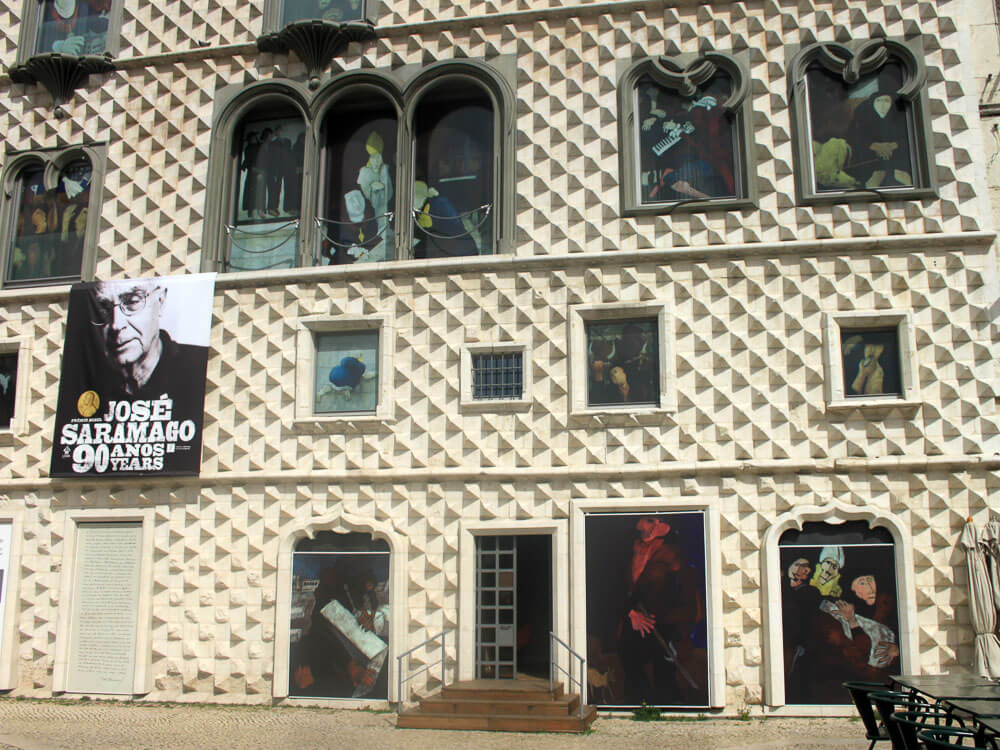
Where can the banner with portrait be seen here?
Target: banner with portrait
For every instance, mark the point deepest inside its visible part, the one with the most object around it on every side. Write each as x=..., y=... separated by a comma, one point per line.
x=132, y=385
x=647, y=630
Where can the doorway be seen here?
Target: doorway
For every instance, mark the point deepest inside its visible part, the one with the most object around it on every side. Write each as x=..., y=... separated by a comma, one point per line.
x=513, y=606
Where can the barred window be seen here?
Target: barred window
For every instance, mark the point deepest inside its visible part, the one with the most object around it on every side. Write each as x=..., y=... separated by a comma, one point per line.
x=497, y=375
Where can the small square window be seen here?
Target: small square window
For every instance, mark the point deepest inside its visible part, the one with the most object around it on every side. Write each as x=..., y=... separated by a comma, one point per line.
x=497, y=375
x=870, y=362
x=346, y=372
x=623, y=362
x=8, y=388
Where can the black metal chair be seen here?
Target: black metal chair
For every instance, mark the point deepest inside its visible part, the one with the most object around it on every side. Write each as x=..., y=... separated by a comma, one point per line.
x=860, y=694
x=913, y=721
x=950, y=737
x=886, y=703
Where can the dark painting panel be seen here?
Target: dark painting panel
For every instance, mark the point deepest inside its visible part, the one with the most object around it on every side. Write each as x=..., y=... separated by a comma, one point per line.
x=339, y=625
x=646, y=624
x=623, y=362
x=8, y=386
x=51, y=224
x=337, y=11
x=360, y=167
x=687, y=145
x=74, y=27
x=861, y=133
x=871, y=364
x=839, y=618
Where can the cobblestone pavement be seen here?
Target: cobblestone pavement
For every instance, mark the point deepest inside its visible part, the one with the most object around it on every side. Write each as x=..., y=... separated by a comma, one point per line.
x=49, y=725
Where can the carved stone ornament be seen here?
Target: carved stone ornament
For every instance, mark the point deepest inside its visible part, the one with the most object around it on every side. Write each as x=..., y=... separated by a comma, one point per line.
x=61, y=74
x=685, y=79
x=316, y=42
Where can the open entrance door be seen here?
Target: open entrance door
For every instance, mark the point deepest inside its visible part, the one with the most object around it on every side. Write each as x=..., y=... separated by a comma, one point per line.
x=513, y=606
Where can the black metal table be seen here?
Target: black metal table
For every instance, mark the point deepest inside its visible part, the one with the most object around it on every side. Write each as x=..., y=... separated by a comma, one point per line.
x=976, y=707
x=942, y=686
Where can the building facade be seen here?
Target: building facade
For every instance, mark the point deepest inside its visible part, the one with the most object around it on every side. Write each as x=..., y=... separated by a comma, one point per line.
x=664, y=327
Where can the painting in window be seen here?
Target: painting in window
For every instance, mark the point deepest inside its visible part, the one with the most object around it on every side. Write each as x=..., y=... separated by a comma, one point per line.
x=264, y=232
x=74, y=27
x=453, y=202
x=623, y=363
x=647, y=632
x=839, y=612
x=337, y=11
x=8, y=385
x=871, y=362
x=687, y=145
x=51, y=224
x=360, y=162
x=340, y=614
x=346, y=372
x=861, y=133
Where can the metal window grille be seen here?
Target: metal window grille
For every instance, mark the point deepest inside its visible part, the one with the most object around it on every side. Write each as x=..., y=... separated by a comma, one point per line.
x=497, y=375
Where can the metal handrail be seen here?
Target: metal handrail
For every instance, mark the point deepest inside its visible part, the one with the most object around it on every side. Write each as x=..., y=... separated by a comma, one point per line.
x=554, y=665
x=399, y=668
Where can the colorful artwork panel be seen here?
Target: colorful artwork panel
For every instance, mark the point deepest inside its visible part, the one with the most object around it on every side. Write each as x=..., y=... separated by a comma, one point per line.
x=339, y=625
x=861, y=133
x=687, y=145
x=51, y=224
x=871, y=364
x=623, y=362
x=360, y=166
x=74, y=27
x=346, y=372
x=839, y=614
x=646, y=626
x=453, y=191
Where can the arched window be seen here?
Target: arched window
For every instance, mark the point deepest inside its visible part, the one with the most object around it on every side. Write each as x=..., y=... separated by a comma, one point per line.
x=839, y=609
x=860, y=111
x=340, y=614
x=685, y=140
x=453, y=187
x=50, y=225
x=356, y=215
x=268, y=149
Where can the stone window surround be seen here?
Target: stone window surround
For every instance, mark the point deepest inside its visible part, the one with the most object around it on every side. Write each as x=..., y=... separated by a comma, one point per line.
x=31, y=21
x=403, y=89
x=860, y=57
x=715, y=630
x=580, y=316
x=9, y=642
x=53, y=161
x=273, y=11
x=833, y=512
x=902, y=320
x=142, y=679
x=675, y=72
x=22, y=347
x=342, y=522
x=305, y=375
x=469, y=350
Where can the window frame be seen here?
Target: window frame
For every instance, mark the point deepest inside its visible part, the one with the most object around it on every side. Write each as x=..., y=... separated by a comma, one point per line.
x=466, y=378
x=21, y=346
x=834, y=324
x=31, y=22
x=52, y=161
x=305, y=372
x=682, y=73
x=580, y=317
x=850, y=61
x=274, y=9
x=404, y=88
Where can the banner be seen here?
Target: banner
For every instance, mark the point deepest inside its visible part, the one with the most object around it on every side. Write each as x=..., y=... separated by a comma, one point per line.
x=132, y=387
x=5, y=540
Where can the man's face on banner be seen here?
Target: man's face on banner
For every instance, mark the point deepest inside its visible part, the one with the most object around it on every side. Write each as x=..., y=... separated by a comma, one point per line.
x=129, y=312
